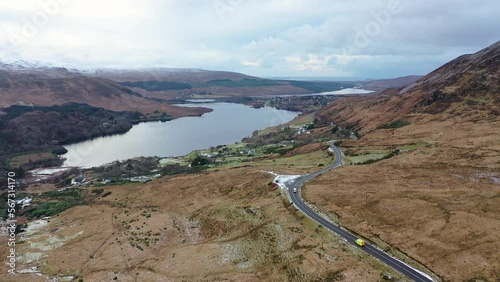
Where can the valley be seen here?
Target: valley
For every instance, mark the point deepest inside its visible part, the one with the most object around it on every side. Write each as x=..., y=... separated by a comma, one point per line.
x=419, y=180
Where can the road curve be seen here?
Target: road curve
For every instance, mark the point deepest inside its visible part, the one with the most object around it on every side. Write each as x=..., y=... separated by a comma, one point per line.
x=384, y=257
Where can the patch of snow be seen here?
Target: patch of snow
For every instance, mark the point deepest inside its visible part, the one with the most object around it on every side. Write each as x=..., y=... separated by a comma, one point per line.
x=48, y=171
x=54, y=242
x=31, y=257
x=268, y=171
x=34, y=226
x=33, y=269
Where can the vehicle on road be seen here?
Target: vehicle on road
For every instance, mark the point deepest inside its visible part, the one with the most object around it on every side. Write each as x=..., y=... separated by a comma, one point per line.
x=294, y=190
x=360, y=242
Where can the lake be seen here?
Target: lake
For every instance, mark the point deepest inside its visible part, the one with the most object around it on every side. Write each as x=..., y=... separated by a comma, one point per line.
x=227, y=124
x=346, y=91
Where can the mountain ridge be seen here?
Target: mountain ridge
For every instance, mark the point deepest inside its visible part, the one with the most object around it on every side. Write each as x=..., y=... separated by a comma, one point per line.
x=48, y=86
x=468, y=86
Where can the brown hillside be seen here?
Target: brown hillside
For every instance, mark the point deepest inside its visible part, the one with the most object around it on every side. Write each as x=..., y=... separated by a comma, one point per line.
x=437, y=200
x=168, y=74
x=56, y=86
x=467, y=86
x=219, y=226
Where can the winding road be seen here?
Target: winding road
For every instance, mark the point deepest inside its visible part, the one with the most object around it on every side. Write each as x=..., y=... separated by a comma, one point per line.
x=294, y=184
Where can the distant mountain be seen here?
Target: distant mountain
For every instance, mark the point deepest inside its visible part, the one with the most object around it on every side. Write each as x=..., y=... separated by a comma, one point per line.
x=185, y=75
x=142, y=89
x=24, y=82
x=178, y=83
x=22, y=64
x=31, y=84
x=468, y=86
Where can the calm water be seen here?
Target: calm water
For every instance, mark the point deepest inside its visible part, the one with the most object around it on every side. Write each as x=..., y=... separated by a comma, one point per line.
x=346, y=91
x=227, y=124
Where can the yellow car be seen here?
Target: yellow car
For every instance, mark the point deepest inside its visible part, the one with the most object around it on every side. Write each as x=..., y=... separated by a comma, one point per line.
x=360, y=242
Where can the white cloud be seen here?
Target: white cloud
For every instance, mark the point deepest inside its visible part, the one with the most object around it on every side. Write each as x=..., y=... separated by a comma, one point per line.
x=249, y=63
x=261, y=37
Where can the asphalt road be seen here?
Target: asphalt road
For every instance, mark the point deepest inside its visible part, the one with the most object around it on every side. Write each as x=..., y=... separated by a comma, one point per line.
x=398, y=265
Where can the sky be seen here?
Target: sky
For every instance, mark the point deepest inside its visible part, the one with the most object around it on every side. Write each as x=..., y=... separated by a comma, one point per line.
x=267, y=38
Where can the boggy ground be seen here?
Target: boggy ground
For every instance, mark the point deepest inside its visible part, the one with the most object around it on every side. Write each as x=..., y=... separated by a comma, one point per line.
x=438, y=201
x=228, y=225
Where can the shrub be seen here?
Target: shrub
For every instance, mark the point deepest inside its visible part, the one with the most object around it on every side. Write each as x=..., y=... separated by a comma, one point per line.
x=49, y=209
x=64, y=195
x=179, y=169
x=388, y=156
x=396, y=124
x=199, y=161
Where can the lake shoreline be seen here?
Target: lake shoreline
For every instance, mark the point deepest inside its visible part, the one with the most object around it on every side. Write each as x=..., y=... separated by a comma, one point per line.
x=227, y=123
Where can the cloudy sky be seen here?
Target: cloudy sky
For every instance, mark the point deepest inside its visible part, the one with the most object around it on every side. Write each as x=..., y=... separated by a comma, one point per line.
x=270, y=38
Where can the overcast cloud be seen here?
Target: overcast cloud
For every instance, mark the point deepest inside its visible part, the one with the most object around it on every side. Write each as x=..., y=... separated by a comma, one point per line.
x=364, y=38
